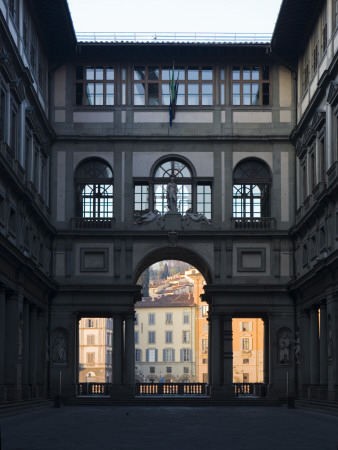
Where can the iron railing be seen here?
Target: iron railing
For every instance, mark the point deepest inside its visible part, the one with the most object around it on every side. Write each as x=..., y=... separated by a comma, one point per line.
x=250, y=389
x=83, y=223
x=179, y=37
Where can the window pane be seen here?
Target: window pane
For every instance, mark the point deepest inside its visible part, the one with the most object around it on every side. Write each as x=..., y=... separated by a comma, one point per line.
x=193, y=97
x=139, y=94
x=153, y=94
x=255, y=94
x=90, y=73
x=110, y=73
x=193, y=73
x=207, y=97
x=99, y=73
x=207, y=74
x=139, y=73
x=153, y=73
x=90, y=93
x=236, y=73
x=165, y=94
x=109, y=94
x=255, y=73
x=246, y=73
x=180, y=94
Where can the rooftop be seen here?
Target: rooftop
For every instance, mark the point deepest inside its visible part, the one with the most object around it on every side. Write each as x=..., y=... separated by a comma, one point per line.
x=166, y=301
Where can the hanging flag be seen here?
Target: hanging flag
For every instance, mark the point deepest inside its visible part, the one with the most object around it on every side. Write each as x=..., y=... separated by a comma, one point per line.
x=173, y=89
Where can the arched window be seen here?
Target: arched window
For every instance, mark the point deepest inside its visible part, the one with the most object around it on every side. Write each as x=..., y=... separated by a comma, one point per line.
x=251, y=190
x=191, y=193
x=94, y=188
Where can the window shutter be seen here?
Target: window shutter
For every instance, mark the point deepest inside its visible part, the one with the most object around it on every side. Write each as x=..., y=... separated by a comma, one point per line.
x=173, y=355
x=140, y=355
x=164, y=355
x=181, y=354
x=156, y=355
x=190, y=354
x=147, y=355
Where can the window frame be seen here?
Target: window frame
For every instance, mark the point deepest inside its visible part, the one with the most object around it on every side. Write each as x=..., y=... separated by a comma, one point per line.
x=242, y=81
x=81, y=83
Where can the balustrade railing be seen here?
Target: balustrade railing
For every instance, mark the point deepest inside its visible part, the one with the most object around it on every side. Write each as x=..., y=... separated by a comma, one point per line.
x=250, y=389
x=259, y=223
x=148, y=389
x=84, y=223
x=92, y=389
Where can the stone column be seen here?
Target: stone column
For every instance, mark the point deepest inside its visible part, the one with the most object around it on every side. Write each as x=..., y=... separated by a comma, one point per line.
x=323, y=346
x=13, y=351
x=25, y=350
x=217, y=350
x=2, y=342
x=129, y=350
x=305, y=347
x=228, y=358
x=314, y=347
x=42, y=351
x=33, y=342
x=266, y=350
x=117, y=349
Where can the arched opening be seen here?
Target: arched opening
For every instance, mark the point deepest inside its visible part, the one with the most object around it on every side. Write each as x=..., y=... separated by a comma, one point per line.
x=171, y=328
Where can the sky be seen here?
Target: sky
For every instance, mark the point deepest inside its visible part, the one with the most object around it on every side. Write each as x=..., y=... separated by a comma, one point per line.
x=218, y=16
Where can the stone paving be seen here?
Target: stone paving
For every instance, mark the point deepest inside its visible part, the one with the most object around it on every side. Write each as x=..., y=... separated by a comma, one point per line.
x=166, y=427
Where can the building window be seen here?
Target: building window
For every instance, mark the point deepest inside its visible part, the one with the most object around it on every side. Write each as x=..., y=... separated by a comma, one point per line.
x=205, y=310
x=246, y=344
x=186, y=337
x=90, y=358
x=152, y=85
x=91, y=323
x=90, y=339
x=151, y=319
x=204, y=345
x=152, y=369
x=151, y=337
x=185, y=354
x=138, y=352
x=13, y=6
x=250, y=85
x=168, y=369
x=245, y=326
x=168, y=318
x=136, y=337
x=189, y=193
x=251, y=190
x=168, y=355
x=185, y=369
x=186, y=317
x=246, y=361
x=94, y=190
x=109, y=357
x=136, y=318
x=95, y=85
x=151, y=354
x=168, y=337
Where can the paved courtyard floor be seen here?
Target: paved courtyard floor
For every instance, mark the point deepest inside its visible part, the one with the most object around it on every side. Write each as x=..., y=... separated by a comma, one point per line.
x=165, y=427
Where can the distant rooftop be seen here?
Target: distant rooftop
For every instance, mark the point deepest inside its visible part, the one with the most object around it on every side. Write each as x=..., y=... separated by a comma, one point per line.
x=166, y=38
x=166, y=301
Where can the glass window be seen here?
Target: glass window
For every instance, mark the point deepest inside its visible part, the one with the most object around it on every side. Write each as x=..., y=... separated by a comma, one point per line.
x=186, y=336
x=151, y=319
x=94, y=188
x=250, y=86
x=151, y=337
x=251, y=190
x=168, y=337
x=94, y=86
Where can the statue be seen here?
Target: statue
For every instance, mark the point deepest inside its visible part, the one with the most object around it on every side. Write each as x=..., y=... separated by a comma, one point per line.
x=189, y=215
x=59, y=349
x=172, y=196
x=284, y=348
x=297, y=347
x=149, y=217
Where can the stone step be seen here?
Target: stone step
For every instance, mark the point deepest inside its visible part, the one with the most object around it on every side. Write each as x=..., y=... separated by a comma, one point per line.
x=318, y=406
x=171, y=401
x=13, y=408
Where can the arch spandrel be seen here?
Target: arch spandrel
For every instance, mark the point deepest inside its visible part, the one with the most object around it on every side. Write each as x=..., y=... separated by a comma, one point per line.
x=181, y=253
